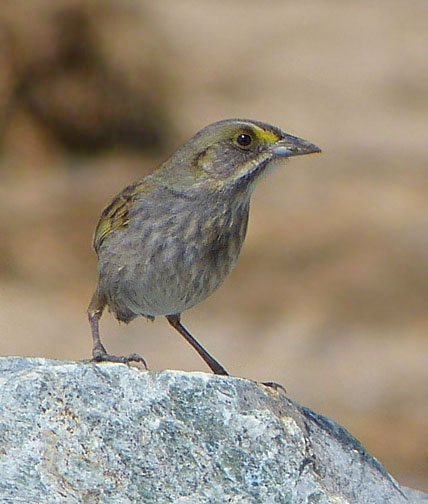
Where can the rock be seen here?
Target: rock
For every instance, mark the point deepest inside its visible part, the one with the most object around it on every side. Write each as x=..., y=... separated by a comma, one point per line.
x=109, y=433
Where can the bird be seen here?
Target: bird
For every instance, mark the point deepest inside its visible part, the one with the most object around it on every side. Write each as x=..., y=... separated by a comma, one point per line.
x=167, y=241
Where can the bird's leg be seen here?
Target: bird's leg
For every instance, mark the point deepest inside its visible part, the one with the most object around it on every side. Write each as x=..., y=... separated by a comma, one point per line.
x=97, y=347
x=99, y=352
x=215, y=366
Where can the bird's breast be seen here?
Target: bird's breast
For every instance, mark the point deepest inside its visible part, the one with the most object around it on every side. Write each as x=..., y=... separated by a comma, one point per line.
x=171, y=262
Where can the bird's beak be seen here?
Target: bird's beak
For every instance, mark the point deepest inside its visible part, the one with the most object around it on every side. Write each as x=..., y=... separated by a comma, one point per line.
x=293, y=146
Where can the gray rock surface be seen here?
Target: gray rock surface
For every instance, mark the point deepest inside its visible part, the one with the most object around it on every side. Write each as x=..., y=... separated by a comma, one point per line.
x=74, y=432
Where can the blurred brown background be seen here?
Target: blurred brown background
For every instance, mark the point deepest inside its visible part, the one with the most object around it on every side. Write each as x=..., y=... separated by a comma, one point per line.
x=330, y=294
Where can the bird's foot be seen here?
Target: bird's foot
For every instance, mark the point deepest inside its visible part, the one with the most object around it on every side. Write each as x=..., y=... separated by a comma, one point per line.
x=276, y=386
x=101, y=355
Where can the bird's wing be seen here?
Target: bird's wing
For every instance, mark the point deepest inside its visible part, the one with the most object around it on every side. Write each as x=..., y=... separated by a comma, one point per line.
x=116, y=215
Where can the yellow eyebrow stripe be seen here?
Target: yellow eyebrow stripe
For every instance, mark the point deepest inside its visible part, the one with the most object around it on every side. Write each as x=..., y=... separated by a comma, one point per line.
x=269, y=137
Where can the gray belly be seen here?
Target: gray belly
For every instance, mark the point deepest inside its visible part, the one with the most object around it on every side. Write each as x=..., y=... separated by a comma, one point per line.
x=148, y=271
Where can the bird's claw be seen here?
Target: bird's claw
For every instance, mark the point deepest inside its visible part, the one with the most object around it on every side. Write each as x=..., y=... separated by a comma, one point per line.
x=276, y=386
x=123, y=359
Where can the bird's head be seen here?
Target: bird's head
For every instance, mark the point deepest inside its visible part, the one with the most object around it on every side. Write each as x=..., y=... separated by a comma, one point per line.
x=233, y=153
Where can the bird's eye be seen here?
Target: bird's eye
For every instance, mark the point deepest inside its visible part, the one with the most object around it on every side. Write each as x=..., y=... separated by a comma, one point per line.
x=244, y=140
